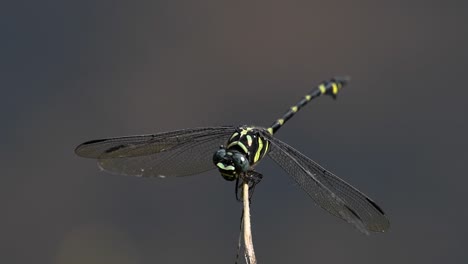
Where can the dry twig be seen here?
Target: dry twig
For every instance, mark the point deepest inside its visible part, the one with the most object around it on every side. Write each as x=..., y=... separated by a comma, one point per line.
x=249, y=252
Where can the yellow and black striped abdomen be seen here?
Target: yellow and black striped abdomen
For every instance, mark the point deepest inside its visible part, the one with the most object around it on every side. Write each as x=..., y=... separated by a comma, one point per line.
x=249, y=142
x=330, y=87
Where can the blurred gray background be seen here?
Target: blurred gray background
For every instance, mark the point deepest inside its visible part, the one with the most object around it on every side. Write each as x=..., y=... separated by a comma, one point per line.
x=72, y=71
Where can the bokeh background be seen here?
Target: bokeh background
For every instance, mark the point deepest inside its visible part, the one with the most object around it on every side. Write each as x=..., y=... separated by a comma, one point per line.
x=72, y=71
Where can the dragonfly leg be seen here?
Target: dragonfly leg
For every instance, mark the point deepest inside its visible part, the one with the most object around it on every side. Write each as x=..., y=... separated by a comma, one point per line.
x=237, y=187
x=252, y=178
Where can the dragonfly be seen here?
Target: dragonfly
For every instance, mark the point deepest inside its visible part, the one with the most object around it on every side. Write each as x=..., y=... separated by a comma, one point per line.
x=235, y=151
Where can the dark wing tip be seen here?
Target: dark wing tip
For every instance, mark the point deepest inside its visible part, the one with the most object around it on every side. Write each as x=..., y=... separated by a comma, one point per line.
x=384, y=223
x=375, y=206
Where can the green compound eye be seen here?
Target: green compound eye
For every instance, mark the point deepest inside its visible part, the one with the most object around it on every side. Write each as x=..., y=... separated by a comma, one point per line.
x=219, y=156
x=240, y=162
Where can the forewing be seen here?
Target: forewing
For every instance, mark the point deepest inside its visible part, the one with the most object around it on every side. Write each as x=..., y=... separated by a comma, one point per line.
x=327, y=190
x=176, y=153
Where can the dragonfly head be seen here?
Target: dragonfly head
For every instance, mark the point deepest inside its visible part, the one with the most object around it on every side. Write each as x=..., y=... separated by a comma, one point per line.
x=230, y=163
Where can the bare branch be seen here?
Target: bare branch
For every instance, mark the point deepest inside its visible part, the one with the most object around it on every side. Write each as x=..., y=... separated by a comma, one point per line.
x=248, y=244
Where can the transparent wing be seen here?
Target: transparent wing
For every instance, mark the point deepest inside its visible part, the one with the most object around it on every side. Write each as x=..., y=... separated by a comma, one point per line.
x=327, y=190
x=175, y=153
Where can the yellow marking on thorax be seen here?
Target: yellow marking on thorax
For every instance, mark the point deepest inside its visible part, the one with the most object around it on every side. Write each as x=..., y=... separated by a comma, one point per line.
x=322, y=88
x=240, y=144
x=249, y=140
x=259, y=150
x=233, y=136
x=245, y=131
x=267, y=144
